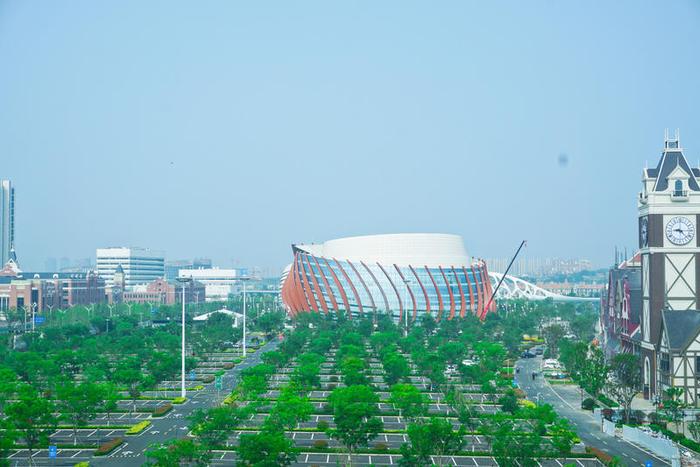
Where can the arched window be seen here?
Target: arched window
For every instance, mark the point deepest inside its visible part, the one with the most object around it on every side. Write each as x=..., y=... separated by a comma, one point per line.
x=679, y=185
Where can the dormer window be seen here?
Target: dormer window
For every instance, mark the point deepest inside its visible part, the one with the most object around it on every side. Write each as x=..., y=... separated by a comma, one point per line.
x=678, y=190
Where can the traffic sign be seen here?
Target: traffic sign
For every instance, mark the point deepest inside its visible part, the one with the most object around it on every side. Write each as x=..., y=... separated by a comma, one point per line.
x=219, y=383
x=193, y=375
x=52, y=452
x=647, y=464
x=39, y=319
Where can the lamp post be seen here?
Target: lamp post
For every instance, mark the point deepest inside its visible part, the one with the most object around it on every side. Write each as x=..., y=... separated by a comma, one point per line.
x=244, y=279
x=183, y=281
x=34, y=305
x=405, y=305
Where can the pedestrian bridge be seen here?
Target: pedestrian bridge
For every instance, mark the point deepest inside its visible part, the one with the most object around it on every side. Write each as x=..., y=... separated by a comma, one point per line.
x=515, y=288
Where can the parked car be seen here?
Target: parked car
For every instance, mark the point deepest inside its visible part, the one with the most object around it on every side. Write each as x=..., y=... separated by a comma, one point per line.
x=527, y=354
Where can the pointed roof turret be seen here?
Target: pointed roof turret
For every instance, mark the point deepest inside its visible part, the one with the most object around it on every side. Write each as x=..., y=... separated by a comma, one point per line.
x=673, y=161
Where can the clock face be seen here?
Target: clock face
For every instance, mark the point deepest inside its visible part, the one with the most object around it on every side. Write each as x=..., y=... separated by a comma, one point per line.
x=680, y=230
x=644, y=231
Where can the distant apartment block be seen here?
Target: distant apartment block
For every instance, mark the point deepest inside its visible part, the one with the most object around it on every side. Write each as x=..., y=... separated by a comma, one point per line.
x=172, y=268
x=219, y=283
x=162, y=292
x=539, y=266
x=140, y=265
x=7, y=220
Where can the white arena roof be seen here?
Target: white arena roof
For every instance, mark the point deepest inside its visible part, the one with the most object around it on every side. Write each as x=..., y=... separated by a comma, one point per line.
x=417, y=249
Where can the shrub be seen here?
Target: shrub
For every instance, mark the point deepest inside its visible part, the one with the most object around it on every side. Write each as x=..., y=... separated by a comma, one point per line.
x=381, y=447
x=690, y=444
x=208, y=378
x=138, y=428
x=607, y=401
x=109, y=446
x=82, y=464
x=322, y=425
x=604, y=457
x=228, y=365
x=588, y=404
x=198, y=387
x=231, y=398
x=334, y=379
x=320, y=444
x=162, y=409
x=179, y=400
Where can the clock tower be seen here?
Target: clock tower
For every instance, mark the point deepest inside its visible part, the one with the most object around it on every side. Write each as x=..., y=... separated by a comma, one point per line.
x=669, y=215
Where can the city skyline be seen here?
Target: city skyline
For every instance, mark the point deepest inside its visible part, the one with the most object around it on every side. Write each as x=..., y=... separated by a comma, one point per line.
x=248, y=133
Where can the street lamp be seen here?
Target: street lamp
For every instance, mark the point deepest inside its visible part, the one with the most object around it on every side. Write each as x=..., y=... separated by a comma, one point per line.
x=405, y=304
x=183, y=281
x=244, y=279
x=34, y=305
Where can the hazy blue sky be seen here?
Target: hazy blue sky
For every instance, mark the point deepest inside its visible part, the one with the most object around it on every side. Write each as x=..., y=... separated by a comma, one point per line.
x=230, y=129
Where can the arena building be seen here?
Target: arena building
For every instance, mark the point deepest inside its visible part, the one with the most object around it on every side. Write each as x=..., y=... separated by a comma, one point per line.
x=403, y=274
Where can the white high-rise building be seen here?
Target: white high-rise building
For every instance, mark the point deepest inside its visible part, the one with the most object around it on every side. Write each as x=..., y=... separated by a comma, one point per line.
x=7, y=220
x=218, y=283
x=140, y=265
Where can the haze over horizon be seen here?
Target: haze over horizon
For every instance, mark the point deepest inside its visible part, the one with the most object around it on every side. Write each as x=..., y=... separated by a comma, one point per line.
x=230, y=130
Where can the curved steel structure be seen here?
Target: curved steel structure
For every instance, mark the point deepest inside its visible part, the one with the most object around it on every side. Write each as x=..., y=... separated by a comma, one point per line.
x=407, y=275
x=515, y=288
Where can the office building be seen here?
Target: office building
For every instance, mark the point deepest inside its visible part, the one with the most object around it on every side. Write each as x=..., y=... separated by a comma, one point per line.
x=140, y=265
x=219, y=283
x=7, y=220
x=163, y=292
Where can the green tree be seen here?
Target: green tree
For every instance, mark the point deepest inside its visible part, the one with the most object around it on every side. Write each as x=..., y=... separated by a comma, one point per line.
x=8, y=386
x=355, y=415
x=111, y=398
x=625, y=381
x=437, y=437
x=553, y=335
x=395, y=368
x=177, y=452
x=408, y=400
x=352, y=369
x=266, y=449
x=7, y=441
x=78, y=403
x=595, y=371
x=290, y=409
x=509, y=401
x=513, y=448
x=673, y=406
x=33, y=418
x=451, y=352
x=128, y=372
x=212, y=427
x=563, y=437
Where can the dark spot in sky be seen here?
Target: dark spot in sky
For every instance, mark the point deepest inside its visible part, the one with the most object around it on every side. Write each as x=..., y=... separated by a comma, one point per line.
x=563, y=160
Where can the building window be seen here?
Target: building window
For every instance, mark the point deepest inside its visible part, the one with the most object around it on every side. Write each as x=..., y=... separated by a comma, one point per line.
x=697, y=365
x=665, y=363
x=678, y=189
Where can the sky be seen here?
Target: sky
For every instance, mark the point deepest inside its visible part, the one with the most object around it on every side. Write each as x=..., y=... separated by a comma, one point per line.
x=231, y=130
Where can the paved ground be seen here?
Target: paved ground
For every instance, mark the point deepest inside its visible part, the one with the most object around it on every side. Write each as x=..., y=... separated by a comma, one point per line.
x=309, y=459
x=566, y=400
x=173, y=425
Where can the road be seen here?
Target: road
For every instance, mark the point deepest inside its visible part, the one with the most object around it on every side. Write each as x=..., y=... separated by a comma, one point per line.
x=567, y=403
x=174, y=425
